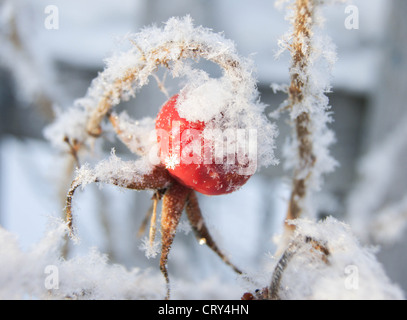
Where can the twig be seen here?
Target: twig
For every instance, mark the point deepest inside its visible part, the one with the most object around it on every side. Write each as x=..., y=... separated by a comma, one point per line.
x=300, y=52
x=292, y=250
x=295, y=248
x=73, y=150
x=161, y=84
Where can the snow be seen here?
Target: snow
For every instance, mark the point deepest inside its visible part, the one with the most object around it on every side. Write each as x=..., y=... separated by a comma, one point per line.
x=352, y=271
x=195, y=98
x=24, y=273
x=240, y=225
x=349, y=271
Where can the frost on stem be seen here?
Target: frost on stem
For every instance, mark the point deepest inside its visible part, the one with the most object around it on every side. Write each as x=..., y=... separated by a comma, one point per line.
x=312, y=58
x=136, y=175
x=324, y=260
x=294, y=248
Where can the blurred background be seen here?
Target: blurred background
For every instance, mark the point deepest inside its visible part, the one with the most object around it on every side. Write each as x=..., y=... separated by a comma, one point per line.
x=42, y=67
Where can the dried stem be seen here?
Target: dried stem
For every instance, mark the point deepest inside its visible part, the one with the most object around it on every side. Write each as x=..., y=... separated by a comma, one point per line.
x=153, y=228
x=147, y=218
x=300, y=52
x=158, y=179
x=68, y=207
x=298, y=246
x=161, y=86
x=292, y=250
x=73, y=150
x=273, y=290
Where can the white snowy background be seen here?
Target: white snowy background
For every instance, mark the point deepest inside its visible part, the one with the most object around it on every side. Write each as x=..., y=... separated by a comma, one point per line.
x=61, y=65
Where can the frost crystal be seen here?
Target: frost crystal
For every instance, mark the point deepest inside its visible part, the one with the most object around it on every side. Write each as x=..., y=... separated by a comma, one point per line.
x=151, y=248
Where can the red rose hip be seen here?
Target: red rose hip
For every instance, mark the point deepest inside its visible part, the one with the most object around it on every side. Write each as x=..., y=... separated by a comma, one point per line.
x=182, y=149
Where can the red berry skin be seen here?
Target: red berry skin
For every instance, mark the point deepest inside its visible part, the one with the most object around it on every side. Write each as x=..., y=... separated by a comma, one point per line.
x=207, y=178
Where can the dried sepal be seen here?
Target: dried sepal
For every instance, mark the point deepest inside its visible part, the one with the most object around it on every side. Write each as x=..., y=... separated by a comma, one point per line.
x=126, y=174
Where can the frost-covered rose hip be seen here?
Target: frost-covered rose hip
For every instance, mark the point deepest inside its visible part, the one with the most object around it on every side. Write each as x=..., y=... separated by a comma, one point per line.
x=183, y=150
x=225, y=110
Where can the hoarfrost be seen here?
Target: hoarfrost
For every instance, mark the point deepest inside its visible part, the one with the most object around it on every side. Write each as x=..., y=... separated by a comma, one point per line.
x=113, y=170
x=313, y=56
x=342, y=270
